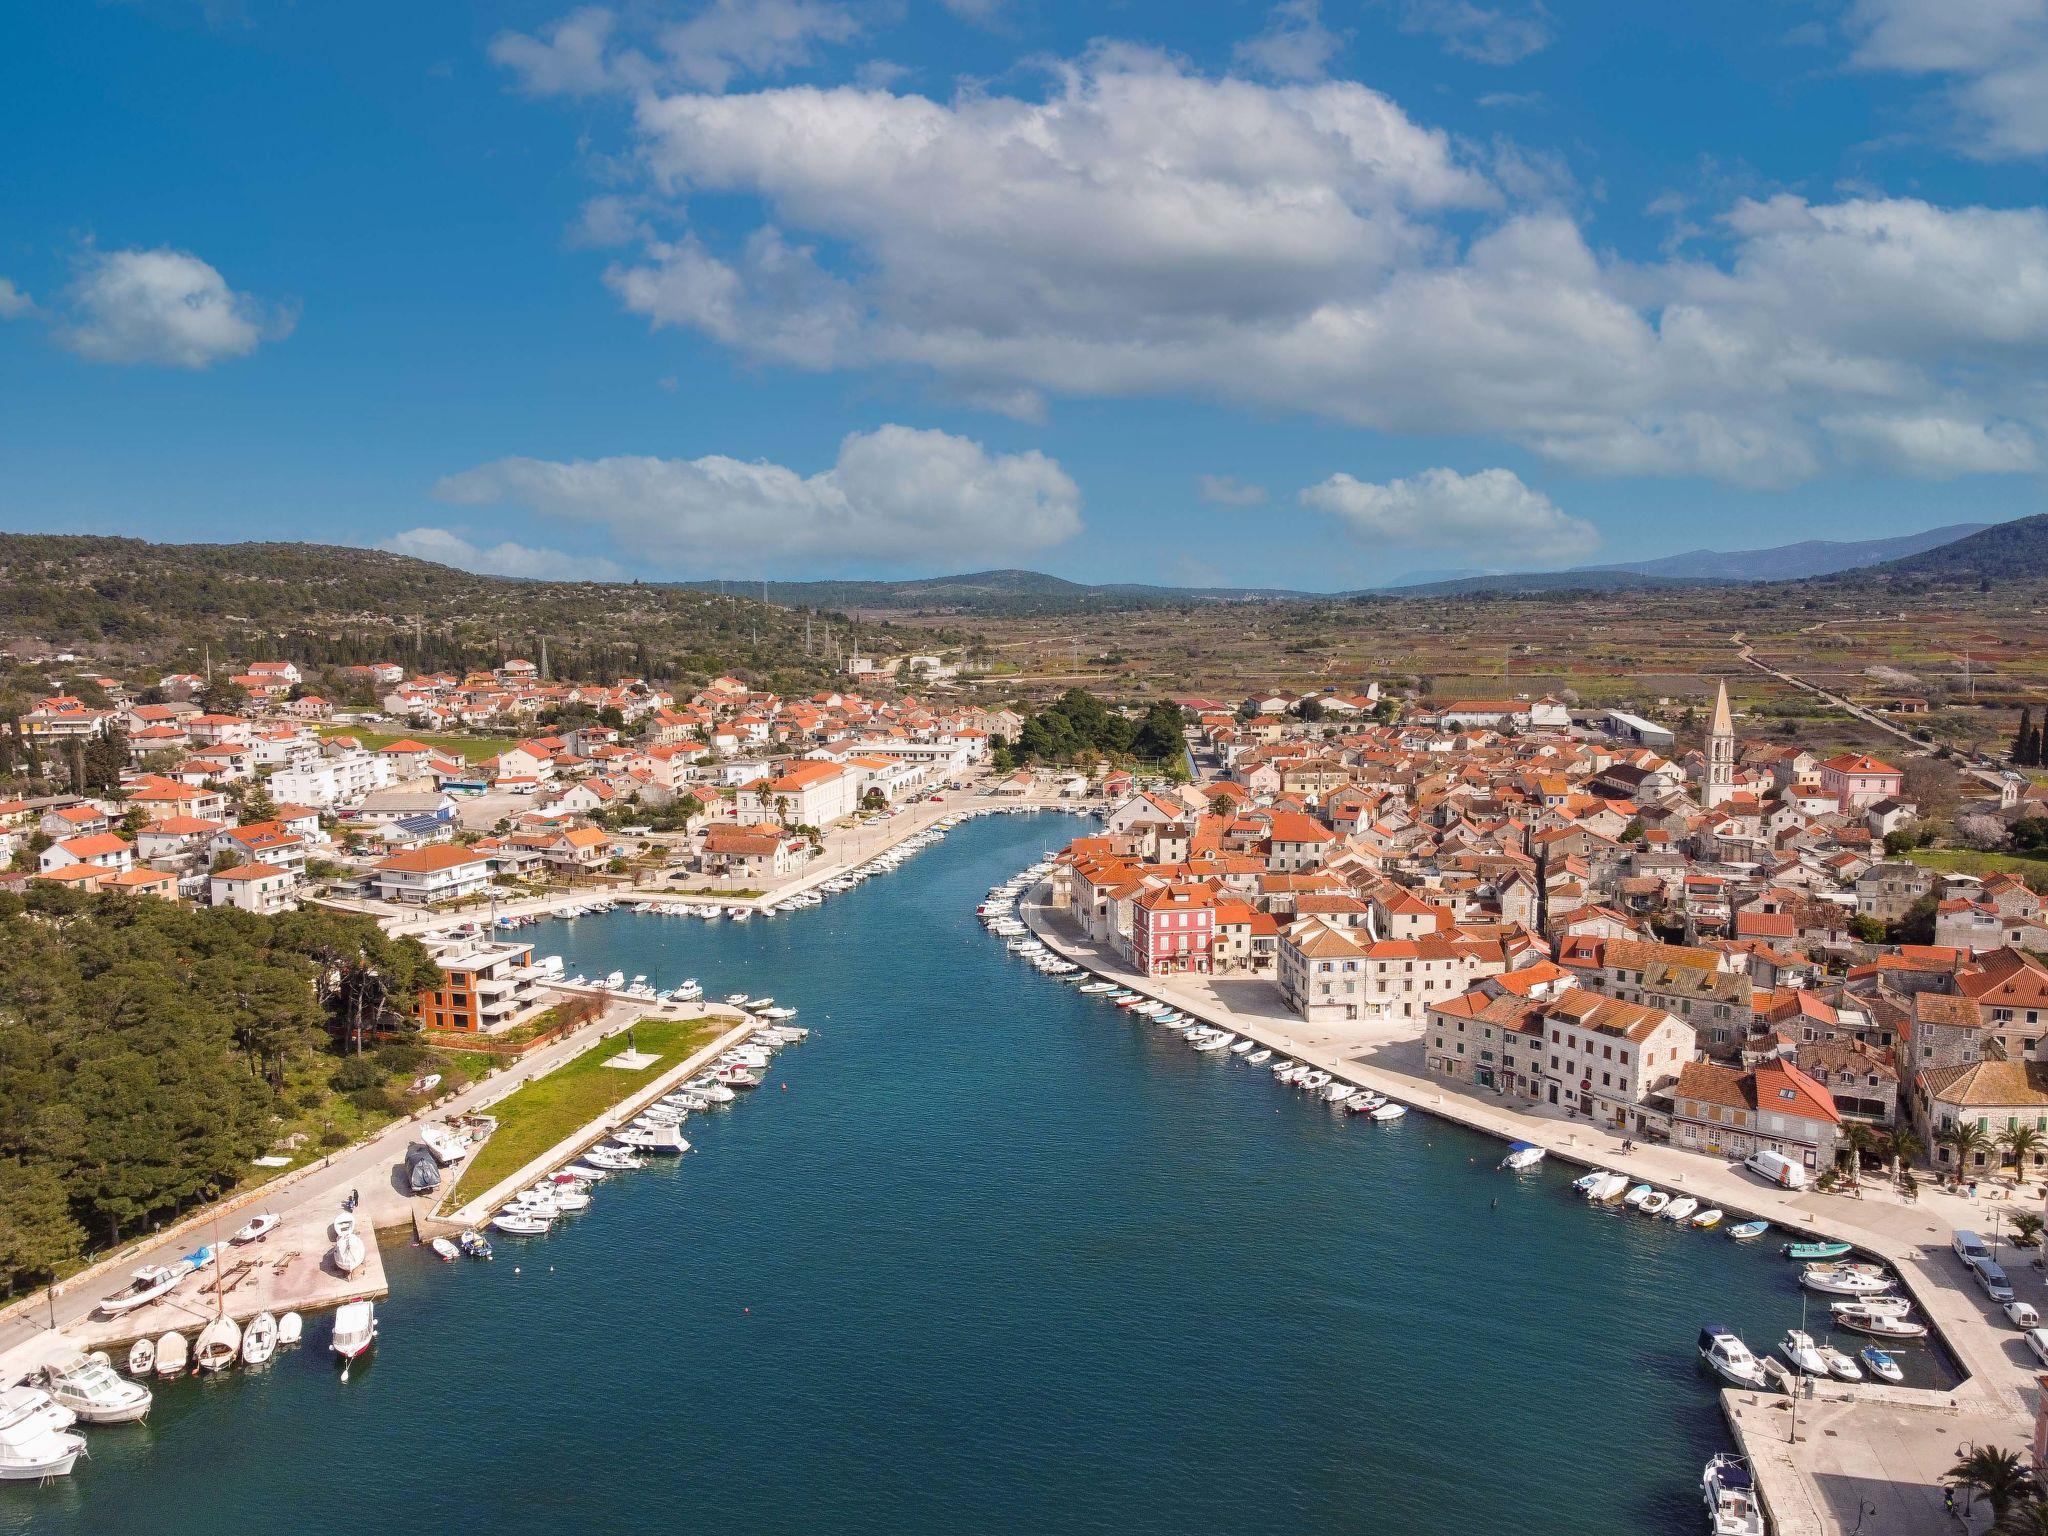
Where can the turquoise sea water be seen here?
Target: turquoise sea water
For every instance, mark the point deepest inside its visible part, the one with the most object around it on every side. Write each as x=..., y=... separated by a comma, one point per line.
x=984, y=1255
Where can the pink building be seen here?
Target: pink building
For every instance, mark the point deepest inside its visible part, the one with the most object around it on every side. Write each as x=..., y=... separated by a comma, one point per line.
x=1855, y=780
x=1173, y=928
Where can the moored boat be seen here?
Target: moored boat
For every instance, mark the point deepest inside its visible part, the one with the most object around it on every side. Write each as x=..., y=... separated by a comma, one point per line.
x=90, y=1389
x=1653, y=1202
x=1679, y=1209
x=1835, y=1280
x=1742, y=1232
x=142, y=1357
x=219, y=1345
x=259, y=1339
x=1733, y=1508
x=1840, y=1366
x=36, y=1439
x=1799, y=1348
x=1729, y=1358
x=290, y=1328
x=445, y=1250
x=355, y=1330
x=172, y=1354
x=1708, y=1219
x=1814, y=1252
x=1881, y=1364
x=1879, y=1323
x=1522, y=1154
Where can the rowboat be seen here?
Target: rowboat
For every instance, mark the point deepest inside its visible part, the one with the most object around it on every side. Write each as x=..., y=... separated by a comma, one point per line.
x=1744, y=1231
x=1812, y=1252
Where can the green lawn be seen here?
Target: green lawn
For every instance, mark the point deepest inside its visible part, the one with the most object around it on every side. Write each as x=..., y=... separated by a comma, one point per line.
x=472, y=749
x=1967, y=862
x=574, y=1094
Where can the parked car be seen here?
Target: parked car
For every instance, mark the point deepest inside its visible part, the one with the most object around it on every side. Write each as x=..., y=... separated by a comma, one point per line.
x=2037, y=1341
x=2022, y=1314
x=1994, y=1281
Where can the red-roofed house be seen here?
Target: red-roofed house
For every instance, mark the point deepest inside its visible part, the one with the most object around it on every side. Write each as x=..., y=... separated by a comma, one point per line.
x=1173, y=929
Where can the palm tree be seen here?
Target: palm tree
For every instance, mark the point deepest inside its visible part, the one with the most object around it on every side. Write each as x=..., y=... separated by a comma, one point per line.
x=2028, y=1519
x=2022, y=1144
x=1907, y=1149
x=1966, y=1137
x=1998, y=1474
x=1857, y=1139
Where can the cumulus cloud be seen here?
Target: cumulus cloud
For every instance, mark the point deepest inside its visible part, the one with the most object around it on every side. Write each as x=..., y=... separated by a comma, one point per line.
x=444, y=547
x=1295, y=44
x=897, y=494
x=1993, y=55
x=1484, y=34
x=1490, y=513
x=162, y=307
x=1228, y=491
x=1141, y=228
x=14, y=304
x=591, y=50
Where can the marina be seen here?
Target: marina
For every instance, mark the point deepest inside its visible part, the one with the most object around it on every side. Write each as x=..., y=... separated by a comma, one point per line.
x=976, y=1225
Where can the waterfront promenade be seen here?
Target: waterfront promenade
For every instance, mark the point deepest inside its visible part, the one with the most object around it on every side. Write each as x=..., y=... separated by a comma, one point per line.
x=1819, y=1486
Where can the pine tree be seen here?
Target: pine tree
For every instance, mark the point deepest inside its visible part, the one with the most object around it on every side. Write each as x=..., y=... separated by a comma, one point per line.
x=37, y=1233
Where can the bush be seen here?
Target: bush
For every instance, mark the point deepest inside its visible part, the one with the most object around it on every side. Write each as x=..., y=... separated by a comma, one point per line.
x=402, y=1059
x=333, y=1137
x=355, y=1074
x=377, y=1101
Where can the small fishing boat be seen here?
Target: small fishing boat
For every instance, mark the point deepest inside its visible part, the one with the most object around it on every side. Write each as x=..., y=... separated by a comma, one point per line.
x=1881, y=1364
x=1681, y=1208
x=219, y=1346
x=1799, y=1348
x=1733, y=1508
x=1522, y=1154
x=259, y=1339
x=90, y=1389
x=1898, y=1306
x=290, y=1329
x=355, y=1330
x=1814, y=1252
x=1243, y=1047
x=1654, y=1203
x=1840, y=1366
x=1708, y=1219
x=172, y=1354
x=142, y=1357
x=518, y=1224
x=349, y=1254
x=1742, y=1232
x=1392, y=1111
x=475, y=1244
x=1729, y=1358
x=36, y=1441
x=1259, y=1057
x=256, y=1228
x=1640, y=1193
x=445, y=1250
x=344, y=1224
x=1881, y=1323
x=144, y=1286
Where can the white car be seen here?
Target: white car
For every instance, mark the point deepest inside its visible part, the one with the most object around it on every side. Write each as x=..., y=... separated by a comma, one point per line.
x=2022, y=1314
x=2037, y=1341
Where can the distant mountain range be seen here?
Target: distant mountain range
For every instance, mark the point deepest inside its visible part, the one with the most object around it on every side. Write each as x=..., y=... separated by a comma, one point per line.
x=1029, y=593
x=2014, y=551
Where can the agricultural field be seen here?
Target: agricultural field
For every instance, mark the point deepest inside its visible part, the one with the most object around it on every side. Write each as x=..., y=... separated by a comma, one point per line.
x=471, y=749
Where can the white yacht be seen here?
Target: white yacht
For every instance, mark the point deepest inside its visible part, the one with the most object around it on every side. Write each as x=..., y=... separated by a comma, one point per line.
x=1841, y=1366
x=36, y=1441
x=1733, y=1508
x=1839, y=1280
x=355, y=1330
x=1729, y=1357
x=91, y=1390
x=509, y=1220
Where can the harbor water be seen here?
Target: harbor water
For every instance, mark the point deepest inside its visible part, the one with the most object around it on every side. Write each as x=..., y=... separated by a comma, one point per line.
x=985, y=1254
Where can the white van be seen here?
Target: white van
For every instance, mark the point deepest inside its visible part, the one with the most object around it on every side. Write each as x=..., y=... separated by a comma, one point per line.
x=1776, y=1168
x=1970, y=1247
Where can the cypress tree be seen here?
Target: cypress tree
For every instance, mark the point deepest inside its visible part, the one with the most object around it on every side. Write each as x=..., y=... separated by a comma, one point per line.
x=2022, y=743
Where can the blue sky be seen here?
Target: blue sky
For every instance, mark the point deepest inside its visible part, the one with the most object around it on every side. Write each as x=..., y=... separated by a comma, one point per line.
x=1229, y=293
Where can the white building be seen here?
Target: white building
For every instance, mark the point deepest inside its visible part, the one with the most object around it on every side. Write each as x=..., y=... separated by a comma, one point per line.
x=331, y=781
x=259, y=888
x=437, y=872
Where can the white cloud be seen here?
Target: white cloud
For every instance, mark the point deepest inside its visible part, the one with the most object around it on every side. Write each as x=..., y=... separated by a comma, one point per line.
x=1295, y=44
x=162, y=307
x=506, y=559
x=1491, y=514
x=1228, y=491
x=14, y=304
x=896, y=494
x=1935, y=446
x=1143, y=229
x=1994, y=54
x=1484, y=34
x=587, y=51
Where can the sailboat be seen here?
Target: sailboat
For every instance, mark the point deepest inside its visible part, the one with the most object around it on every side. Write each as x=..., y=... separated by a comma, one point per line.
x=259, y=1339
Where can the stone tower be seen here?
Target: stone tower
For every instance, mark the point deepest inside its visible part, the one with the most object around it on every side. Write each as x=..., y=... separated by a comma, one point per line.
x=1720, y=783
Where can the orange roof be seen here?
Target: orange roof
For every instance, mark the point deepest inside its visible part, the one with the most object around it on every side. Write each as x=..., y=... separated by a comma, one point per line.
x=428, y=860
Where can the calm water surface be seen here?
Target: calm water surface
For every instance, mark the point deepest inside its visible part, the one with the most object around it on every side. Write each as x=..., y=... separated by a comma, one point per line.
x=985, y=1254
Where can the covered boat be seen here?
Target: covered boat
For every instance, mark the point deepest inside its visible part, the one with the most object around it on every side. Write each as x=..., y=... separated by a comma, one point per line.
x=172, y=1354
x=349, y=1254
x=422, y=1172
x=219, y=1346
x=355, y=1330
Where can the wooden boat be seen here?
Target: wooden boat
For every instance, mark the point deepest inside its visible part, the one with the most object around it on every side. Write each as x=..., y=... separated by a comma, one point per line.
x=219, y=1346
x=1742, y=1232
x=1883, y=1323
x=1810, y=1253
x=1709, y=1218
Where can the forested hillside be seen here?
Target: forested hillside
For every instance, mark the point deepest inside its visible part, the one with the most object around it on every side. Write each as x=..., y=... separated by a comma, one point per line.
x=322, y=605
x=149, y=1051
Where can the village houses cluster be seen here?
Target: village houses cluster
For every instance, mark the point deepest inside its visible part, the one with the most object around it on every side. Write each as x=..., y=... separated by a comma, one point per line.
x=1679, y=945
x=765, y=774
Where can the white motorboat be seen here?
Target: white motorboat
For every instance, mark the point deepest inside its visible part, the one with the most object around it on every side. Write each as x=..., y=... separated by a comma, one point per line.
x=1393, y=1111
x=256, y=1228
x=1681, y=1208
x=290, y=1329
x=1243, y=1047
x=349, y=1254
x=1733, y=1508
x=519, y=1225
x=445, y=1143
x=142, y=1357
x=651, y=1138
x=1282, y=1067
x=1881, y=1365
x=36, y=1440
x=172, y=1354
x=145, y=1286
x=1833, y=1280
x=1653, y=1201
x=259, y=1339
x=1603, y=1186
x=1638, y=1195
x=445, y=1250
x=355, y=1330
x=1879, y=1323
x=219, y=1346
x=1729, y=1358
x=1336, y=1091
x=1898, y=1306
x=1841, y=1366
x=1216, y=1042
x=92, y=1391
x=1522, y=1154
x=1259, y=1057
x=1799, y=1348
x=1312, y=1079
x=614, y=981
